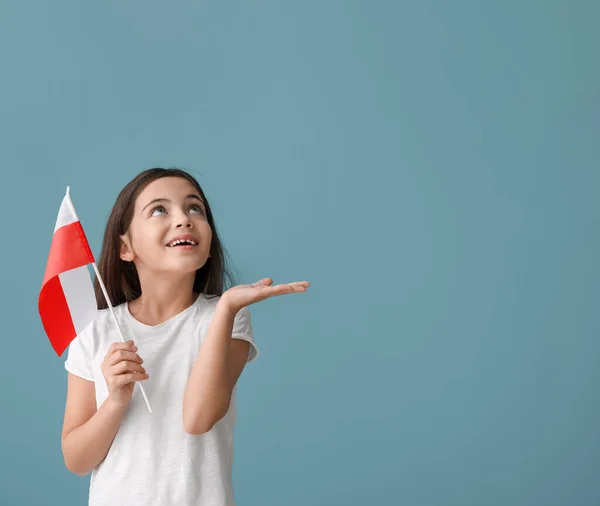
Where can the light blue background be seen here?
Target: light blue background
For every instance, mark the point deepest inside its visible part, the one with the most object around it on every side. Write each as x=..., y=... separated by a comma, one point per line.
x=430, y=167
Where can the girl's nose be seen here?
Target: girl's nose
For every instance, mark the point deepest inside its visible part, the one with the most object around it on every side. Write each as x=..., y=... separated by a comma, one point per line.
x=183, y=219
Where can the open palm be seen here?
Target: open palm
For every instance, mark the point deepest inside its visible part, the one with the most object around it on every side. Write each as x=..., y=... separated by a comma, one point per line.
x=241, y=296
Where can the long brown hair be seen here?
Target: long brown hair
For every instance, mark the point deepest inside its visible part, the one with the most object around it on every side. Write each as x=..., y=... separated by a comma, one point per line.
x=121, y=278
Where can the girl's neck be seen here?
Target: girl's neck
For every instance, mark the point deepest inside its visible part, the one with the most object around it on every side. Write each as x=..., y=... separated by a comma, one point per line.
x=162, y=299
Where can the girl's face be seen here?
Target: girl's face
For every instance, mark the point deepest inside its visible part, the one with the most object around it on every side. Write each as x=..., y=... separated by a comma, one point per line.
x=167, y=208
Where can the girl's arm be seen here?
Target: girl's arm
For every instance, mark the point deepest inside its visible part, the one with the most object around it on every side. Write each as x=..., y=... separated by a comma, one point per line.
x=218, y=366
x=87, y=433
x=221, y=359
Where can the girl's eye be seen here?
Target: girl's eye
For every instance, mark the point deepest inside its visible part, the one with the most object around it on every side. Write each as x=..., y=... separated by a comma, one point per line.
x=155, y=208
x=197, y=207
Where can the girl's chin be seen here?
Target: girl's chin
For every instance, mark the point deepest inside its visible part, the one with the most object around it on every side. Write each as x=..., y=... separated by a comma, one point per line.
x=194, y=259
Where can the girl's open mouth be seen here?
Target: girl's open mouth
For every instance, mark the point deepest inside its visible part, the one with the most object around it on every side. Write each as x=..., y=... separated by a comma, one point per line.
x=184, y=244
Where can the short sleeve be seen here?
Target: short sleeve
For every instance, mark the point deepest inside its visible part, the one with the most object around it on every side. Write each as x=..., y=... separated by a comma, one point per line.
x=242, y=329
x=79, y=357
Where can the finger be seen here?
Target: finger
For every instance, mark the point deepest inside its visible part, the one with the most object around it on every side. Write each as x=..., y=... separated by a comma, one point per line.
x=124, y=379
x=287, y=288
x=263, y=282
x=296, y=285
x=121, y=355
x=127, y=366
x=304, y=284
x=120, y=346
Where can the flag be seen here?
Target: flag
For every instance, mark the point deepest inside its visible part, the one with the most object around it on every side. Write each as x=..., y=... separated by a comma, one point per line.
x=67, y=302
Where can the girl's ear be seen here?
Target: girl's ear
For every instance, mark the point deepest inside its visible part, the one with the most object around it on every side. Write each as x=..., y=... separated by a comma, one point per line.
x=126, y=253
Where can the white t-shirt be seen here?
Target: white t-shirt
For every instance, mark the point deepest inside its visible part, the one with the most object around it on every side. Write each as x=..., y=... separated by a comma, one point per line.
x=152, y=460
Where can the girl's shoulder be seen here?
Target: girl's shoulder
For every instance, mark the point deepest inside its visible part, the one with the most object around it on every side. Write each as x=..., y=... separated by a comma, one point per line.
x=100, y=325
x=209, y=300
x=104, y=319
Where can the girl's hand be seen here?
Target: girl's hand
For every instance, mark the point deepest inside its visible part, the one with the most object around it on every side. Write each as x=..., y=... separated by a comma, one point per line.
x=121, y=369
x=241, y=296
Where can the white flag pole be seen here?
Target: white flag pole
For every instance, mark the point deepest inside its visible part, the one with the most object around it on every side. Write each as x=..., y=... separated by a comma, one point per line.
x=108, y=301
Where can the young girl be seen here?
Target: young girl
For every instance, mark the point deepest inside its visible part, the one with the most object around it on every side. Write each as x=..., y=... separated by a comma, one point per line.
x=164, y=270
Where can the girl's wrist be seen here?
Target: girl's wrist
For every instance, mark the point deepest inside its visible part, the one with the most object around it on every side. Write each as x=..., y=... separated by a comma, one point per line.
x=226, y=307
x=114, y=404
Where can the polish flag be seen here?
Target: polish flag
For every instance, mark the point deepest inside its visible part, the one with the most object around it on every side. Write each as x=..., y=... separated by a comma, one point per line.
x=67, y=302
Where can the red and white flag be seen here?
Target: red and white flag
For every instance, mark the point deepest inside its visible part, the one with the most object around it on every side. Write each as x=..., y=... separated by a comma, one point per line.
x=67, y=302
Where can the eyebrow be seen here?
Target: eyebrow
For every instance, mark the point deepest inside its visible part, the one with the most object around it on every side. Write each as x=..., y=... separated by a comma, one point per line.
x=191, y=196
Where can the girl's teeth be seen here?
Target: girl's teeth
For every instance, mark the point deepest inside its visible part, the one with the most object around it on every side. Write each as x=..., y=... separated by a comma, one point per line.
x=182, y=242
